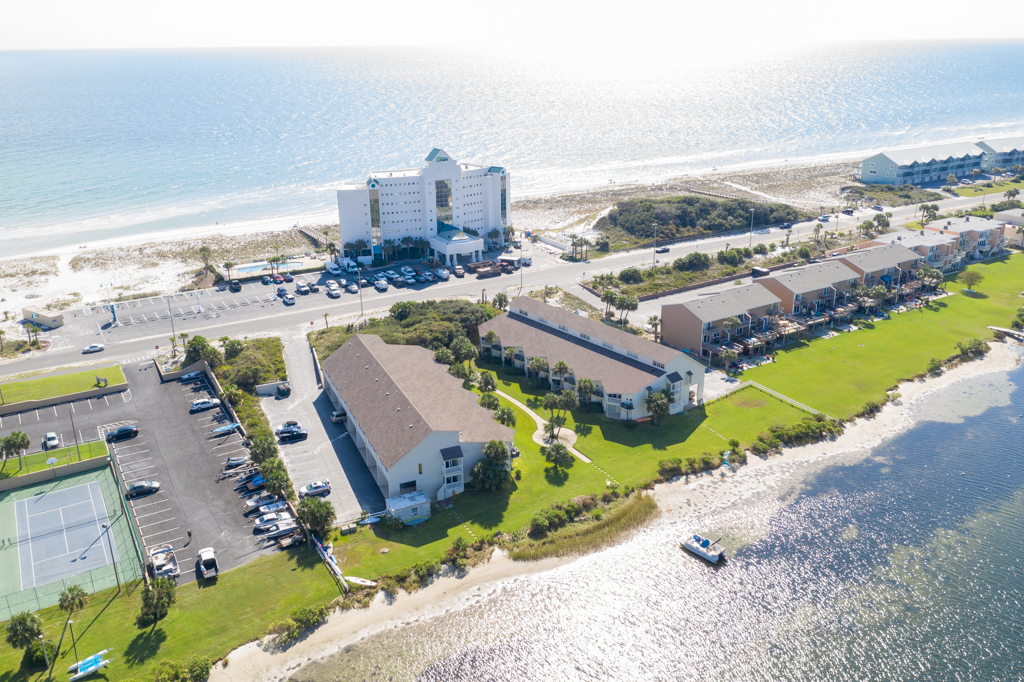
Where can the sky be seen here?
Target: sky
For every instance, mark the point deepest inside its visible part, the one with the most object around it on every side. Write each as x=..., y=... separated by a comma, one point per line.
x=656, y=27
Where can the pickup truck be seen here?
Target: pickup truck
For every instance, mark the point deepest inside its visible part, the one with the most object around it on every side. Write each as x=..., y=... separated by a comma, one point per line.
x=208, y=565
x=459, y=272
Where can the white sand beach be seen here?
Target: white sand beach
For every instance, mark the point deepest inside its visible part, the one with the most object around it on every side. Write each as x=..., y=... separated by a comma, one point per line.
x=702, y=494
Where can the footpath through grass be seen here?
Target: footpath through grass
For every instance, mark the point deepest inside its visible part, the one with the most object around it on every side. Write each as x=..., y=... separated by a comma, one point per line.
x=37, y=462
x=839, y=375
x=59, y=384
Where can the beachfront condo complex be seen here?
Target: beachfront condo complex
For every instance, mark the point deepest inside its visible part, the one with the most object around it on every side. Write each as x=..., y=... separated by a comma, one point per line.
x=937, y=162
x=454, y=206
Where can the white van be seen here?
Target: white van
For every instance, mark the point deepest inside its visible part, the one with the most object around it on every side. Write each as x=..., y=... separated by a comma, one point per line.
x=333, y=268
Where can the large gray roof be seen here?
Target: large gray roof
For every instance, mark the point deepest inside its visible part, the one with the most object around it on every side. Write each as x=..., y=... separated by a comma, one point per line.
x=880, y=257
x=936, y=152
x=962, y=225
x=596, y=330
x=916, y=238
x=617, y=373
x=1003, y=144
x=814, y=276
x=731, y=302
x=399, y=395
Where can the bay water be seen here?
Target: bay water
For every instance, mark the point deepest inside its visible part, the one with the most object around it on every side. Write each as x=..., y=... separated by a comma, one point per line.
x=898, y=562
x=102, y=144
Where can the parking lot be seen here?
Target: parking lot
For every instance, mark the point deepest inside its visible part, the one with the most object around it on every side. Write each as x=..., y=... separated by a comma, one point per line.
x=175, y=448
x=328, y=452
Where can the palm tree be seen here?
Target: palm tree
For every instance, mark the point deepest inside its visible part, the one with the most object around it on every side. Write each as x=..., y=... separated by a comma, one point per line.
x=658, y=404
x=975, y=173
x=326, y=325
x=227, y=266
x=817, y=234
x=1012, y=193
x=727, y=355
x=537, y=367
x=500, y=301
x=789, y=233
x=609, y=297
x=72, y=599
x=18, y=442
x=655, y=323
x=490, y=337
x=586, y=388
x=561, y=368
x=407, y=244
x=24, y=629
x=510, y=355
x=731, y=324
x=204, y=255
x=505, y=416
x=184, y=338
x=2, y=332
x=626, y=304
x=487, y=382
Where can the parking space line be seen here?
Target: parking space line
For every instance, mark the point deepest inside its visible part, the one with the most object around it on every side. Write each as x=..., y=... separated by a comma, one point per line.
x=161, y=511
x=144, y=459
x=143, y=506
x=137, y=478
x=228, y=453
x=159, y=532
x=140, y=452
x=155, y=523
x=135, y=471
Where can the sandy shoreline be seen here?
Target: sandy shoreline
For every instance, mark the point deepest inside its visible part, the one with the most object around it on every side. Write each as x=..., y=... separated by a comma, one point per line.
x=699, y=495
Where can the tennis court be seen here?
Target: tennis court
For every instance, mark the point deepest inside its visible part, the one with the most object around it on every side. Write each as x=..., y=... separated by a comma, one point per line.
x=61, y=534
x=52, y=536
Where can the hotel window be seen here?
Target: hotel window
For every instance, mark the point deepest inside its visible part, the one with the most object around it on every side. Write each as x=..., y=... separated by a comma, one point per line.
x=504, y=214
x=585, y=336
x=443, y=201
x=659, y=365
x=563, y=327
x=607, y=345
x=375, y=216
x=632, y=355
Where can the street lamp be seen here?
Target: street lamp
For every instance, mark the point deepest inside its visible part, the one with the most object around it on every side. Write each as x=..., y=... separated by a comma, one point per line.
x=171, y=316
x=106, y=530
x=46, y=657
x=73, y=642
x=654, y=261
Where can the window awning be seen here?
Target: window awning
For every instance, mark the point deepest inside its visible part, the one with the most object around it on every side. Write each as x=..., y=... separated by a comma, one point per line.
x=885, y=278
x=454, y=452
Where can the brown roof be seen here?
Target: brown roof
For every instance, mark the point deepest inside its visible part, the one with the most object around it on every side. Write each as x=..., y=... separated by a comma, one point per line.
x=617, y=373
x=399, y=395
x=596, y=330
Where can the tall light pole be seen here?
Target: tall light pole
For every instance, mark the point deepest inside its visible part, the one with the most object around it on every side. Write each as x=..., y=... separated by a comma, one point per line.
x=73, y=433
x=171, y=315
x=46, y=656
x=106, y=530
x=654, y=261
x=73, y=642
x=750, y=243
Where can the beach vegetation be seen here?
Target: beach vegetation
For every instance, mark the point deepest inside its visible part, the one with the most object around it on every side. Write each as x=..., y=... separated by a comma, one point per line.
x=891, y=195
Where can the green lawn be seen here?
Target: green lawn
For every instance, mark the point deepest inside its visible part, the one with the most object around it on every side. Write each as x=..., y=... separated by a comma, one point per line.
x=839, y=375
x=632, y=455
x=58, y=384
x=207, y=621
x=996, y=188
x=37, y=462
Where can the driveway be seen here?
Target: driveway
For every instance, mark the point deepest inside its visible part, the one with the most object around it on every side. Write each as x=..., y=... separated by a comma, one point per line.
x=328, y=453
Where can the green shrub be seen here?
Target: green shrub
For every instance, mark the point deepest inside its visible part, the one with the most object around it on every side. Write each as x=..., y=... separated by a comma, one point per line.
x=670, y=468
x=934, y=367
x=310, y=616
x=425, y=569
x=286, y=630
x=34, y=658
x=631, y=276
x=539, y=523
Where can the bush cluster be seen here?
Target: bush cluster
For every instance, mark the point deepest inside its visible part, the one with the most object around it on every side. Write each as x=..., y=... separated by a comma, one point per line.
x=808, y=430
x=196, y=669
x=34, y=654
x=688, y=216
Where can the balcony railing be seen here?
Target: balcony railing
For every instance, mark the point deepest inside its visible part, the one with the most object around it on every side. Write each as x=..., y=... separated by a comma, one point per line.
x=451, y=471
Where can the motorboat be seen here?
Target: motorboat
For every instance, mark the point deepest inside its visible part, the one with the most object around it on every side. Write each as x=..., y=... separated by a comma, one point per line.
x=260, y=500
x=704, y=548
x=281, y=529
x=266, y=521
x=273, y=507
x=164, y=562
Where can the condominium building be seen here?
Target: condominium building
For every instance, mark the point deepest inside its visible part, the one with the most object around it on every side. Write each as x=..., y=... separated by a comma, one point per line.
x=702, y=325
x=416, y=428
x=923, y=164
x=449, y=208
x=812, y=289
x=937, y=249
x=1004, y=152
x=625, y=368
x=979, y=238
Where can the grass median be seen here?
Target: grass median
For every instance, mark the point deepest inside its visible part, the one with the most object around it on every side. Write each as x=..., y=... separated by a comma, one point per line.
x=59, y=385
x=839, y=375
x=26, y=465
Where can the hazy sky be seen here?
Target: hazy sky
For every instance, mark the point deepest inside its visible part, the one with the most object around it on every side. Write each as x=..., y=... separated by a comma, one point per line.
x=665, y=27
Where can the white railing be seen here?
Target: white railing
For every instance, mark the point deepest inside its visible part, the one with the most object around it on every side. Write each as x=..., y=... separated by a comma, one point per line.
x=774, y=394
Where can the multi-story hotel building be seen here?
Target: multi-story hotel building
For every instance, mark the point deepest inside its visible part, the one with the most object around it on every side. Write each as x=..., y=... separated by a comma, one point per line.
x=450, y=205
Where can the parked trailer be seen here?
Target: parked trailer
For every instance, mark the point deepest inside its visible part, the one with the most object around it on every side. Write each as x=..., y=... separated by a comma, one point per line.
x=487, y=272
x=473, y=267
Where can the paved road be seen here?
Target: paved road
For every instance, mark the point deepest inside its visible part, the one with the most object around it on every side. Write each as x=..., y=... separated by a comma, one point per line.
x=256, y=310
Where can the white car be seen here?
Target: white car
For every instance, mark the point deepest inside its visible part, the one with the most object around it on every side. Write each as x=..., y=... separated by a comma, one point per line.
x=442, y=274
x=208, y=562
x=429, y=276
x=204, y=404
x=93, y=348
x=51, y=441
x=333, y=292
x=381, y=285
x=407, y=271
x=288, y=299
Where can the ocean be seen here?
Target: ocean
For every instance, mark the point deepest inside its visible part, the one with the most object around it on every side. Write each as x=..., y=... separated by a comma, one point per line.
x=900, y=562
x=104, y=144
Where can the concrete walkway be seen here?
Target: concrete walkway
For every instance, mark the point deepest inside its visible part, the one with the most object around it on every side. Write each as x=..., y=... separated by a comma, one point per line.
x=566, y=437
